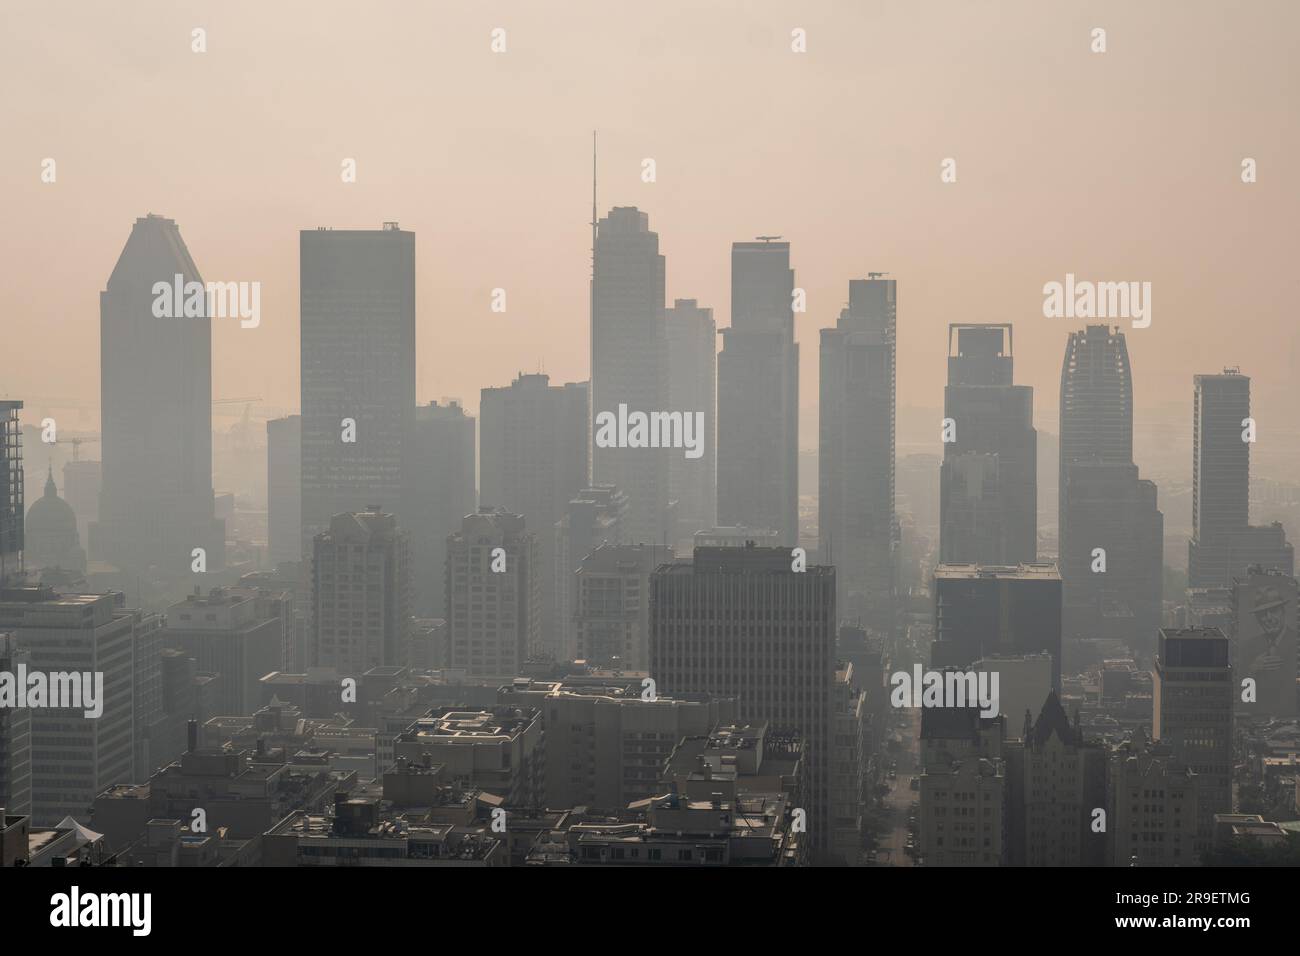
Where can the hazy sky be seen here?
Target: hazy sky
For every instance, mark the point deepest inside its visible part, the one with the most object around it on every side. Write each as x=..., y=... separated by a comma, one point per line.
x=1116, y=166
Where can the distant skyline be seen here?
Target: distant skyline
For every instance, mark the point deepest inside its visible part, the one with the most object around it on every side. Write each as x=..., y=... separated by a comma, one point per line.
x=1122, y=166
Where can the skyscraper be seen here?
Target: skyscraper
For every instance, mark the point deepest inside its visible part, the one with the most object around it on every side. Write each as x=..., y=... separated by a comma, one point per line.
x=612, y=608
x=440, y=493
x=692, y=387
x=592, y=518
x=988, y=491
x=778, y=657
x=1192, y=699
x=1223, y=542
x=156, y=502
x=284, y=489
x=533, y=446
x=361, y=593
x=357, y=291
x=1264, y=611
x=1111, y=531
x=494, y=596
x=11, y=489
x=758, y=394
x=630, y=365
x=856, y=524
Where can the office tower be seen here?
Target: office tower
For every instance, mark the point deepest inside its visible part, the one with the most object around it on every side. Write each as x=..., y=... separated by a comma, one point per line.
x=15, y=736
x=963, y=785
x=1111, y=530
x=606, y=744
x=494, y=595
x=778, y=657
x=284, y=489
x=153, y=728
x=1264, y=621
x=983, y=611
x=81, y=486
x=612, y=610
x=240, y=634
x=736, y=537
x=500, y=751
x=156, y=502
x=758, y=394
x=533, y=446
x=857, y=528
x=630, y=366
x=357, y=291
x=1152, y=806
x=74, y=757
x=50, y=539
x=988, y=491
x=593, y=517
x=848, y=755
x=11, y=490
x=1192, y=700
x=361, y=593
x=442, y=493
x=1056, y=779
x=692, y=387
x=1223, y=541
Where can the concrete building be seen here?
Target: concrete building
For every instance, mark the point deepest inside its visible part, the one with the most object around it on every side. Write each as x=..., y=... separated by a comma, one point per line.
x=533, y=458
x=82, y=481
x=849, y=754
x=963, y=789
x=988, y=481
x=1223, y=542
x=11, y=490
x=241, y=634
x=1153, y=811
x=1193, y=694
x=15, y=737
x=357, y=318
x=758, y=394
x=1024, y=681
x=441, y=493
x=857, y=528
x=156, y=503
x=629, y=363
x=611, y=620
x=1265, y=605
x=984, y=611
x=592, y=518
x=693, y=387
x=607, y=744
x=778, y=656
x=499, y=751
x=284, y=489
x=361, y=593
x=494, y=594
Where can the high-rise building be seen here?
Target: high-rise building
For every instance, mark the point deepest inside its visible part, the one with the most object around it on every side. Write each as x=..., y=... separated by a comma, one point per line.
x=982, y=612
x=778, y=657
x=361, y=593
x=156, y=503
x=848, y=755
x=1192, y=701
x=15, y=736
x=988, y=492
x=963, y=786
x=1152, y=806
x=11, y=490
x=441, y=493
x=1223, y=542
x=1111, y=530
x=758, y=394
x=533, y=446
x=612, y=609
x=630, y=366
x=594, y=517
x=357, y=320
x=284, y=489
x=74, y=756
x=857, y=528
x=1264, y=612
x=494, y=596
x=81, y=485
x=692, y=387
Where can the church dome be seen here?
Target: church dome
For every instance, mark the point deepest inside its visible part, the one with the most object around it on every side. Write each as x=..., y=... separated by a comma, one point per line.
x=50, y=514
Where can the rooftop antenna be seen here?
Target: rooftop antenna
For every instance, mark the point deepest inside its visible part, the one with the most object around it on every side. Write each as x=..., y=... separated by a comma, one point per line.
x=766, y=238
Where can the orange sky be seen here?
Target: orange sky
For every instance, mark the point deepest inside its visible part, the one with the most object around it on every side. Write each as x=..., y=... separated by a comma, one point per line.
x=1116, y=166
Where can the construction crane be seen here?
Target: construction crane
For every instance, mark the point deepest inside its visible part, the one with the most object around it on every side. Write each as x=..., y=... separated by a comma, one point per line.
x=75, y=443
